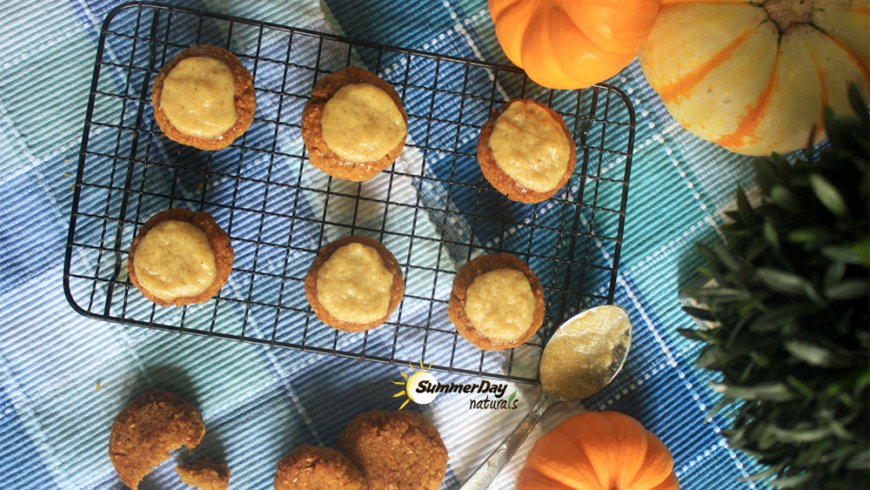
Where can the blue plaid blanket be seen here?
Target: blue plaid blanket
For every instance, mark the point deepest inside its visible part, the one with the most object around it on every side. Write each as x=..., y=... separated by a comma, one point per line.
x=64, y=377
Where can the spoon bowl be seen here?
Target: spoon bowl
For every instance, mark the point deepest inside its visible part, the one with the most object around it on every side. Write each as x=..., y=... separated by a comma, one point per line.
x=583, y=356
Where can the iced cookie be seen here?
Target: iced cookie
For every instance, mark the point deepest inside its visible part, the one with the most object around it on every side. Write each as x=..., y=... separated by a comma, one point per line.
x=496, y=302
x=526, y=151
x=204, y=98
x=354, y=126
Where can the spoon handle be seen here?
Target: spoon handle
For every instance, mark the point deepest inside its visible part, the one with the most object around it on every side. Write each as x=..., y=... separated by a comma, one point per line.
x=486, y=473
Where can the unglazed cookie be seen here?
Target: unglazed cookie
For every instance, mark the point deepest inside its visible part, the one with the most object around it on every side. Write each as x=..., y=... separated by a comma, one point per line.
x=146, y=430
x=399, y=450
x=496, y=302
x=526, y=151
x=354, y=126
x=180, y=257
x=317, y=468
x=205, y=475
x=354, y=284
x=204, y=98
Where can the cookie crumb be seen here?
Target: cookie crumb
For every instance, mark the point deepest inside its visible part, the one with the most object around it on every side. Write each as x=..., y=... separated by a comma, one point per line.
x=205, y=474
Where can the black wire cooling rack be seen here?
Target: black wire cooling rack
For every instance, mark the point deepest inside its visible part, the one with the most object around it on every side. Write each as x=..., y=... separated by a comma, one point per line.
x=433, y=209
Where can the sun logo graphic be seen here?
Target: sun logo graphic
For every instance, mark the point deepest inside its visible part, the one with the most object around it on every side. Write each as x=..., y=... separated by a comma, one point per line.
x=413, y=381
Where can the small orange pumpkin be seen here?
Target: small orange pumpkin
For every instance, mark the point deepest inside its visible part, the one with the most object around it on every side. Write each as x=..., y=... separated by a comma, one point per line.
x=598, y=451
x=575, y=43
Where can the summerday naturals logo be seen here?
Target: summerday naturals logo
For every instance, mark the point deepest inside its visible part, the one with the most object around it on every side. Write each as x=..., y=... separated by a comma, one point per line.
x=422, y=387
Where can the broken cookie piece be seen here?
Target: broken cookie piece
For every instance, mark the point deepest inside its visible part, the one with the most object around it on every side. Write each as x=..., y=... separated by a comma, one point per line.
x=205, y=474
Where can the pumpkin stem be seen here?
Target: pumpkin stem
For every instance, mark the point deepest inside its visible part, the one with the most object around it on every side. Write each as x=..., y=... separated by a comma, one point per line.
x=784, y=13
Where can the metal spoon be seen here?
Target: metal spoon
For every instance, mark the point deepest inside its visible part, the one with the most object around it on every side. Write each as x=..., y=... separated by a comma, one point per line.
x=567, y=352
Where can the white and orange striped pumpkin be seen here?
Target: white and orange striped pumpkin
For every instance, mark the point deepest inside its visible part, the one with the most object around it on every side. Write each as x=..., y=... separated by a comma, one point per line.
x=754, y=76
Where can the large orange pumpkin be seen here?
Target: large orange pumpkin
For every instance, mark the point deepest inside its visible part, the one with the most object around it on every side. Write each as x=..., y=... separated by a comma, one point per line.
x=598, y=451
x=754, y=76
x=569, y=44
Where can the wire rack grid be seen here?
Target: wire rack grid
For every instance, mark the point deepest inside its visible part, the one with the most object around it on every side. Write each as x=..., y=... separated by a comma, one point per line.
x=433, y=209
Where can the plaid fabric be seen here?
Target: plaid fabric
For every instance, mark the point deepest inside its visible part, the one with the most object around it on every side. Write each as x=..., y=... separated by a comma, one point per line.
x=64, y=377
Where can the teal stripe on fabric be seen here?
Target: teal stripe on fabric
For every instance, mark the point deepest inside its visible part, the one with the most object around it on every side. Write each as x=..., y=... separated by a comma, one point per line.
x=397, y=24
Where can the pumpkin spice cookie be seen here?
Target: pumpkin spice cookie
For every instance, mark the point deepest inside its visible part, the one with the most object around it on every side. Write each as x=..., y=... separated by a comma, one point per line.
x=147, y=429
x=317, y=468
x=526, y=151
x=399, y=450
x=354, y=126
x=354, y=284
x=205, y=475
x=180, y=257
x=204, y=97
x=496, y=302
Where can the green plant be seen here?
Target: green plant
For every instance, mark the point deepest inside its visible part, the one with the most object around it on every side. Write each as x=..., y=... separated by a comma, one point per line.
x=788, y=293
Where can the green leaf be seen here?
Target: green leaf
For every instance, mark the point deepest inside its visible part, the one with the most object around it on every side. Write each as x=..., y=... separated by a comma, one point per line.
x=812, y=294
x=815, y=235
x=832, y=127
x=728, y=259
x=712, y=273
x=781, y=164
x=770, y=234
x=862, y=252
x=732, y=215
x=814, y=354
x=763, y=391
x=840, y=431
x=762, y=474
x=853, y=289
x=699, y=313
x=784, y=199
x=704, y=293
x=834, y=273
x=710, y=356
x=798, y=436
x=760, y=359
x=842, y=253
x=698, y=335
x=863, y=380
x=765, y=174
x=792, y=481
x=860, y=461
x=829, y=195
x=859, y=106
x=708, y=254
x=783, y=315
x=809, y=151
x=783, y=282
x=744, y=208
x=511, y=398
x=800, y=386
x=755, y=249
